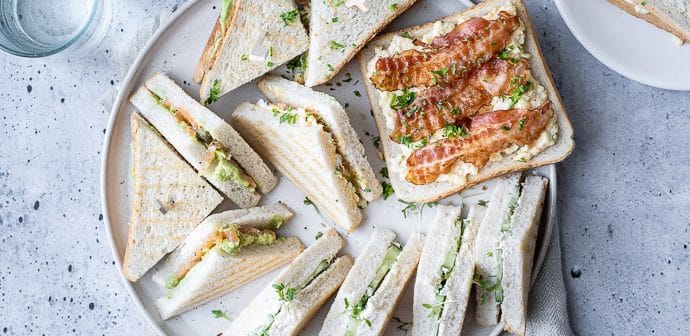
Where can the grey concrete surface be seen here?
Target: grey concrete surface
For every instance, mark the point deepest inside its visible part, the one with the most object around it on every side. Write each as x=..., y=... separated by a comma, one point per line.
x=624, y=193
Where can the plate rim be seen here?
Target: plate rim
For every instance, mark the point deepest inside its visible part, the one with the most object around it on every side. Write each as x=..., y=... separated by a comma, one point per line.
x=134, y=70
x=610, y=62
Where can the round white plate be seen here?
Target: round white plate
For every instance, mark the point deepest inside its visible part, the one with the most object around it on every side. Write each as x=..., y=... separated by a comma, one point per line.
x=628, y=45
x=175, y=49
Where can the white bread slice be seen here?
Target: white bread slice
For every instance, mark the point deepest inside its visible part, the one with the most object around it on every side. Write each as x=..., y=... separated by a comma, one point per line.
x=381, y=305
x=264, y=217
x=440, y=189
x=249, y=20
x=194, y=151
x=460, y=281
x=288, y=318
x=518, y=254
x=218, y=272
x=489, y=241
x=306, y=154
x=159, y=174
x=672, y=16
x=429, y=275
x=333, y=115
x=338, y=32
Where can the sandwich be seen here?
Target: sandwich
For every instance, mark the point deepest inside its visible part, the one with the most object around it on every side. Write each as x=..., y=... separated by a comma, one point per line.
x=672, y=16
x=463, y=100
x=505, y=250
x=307, y=135
x=365, y=303
x=163, y=211
x=225, y=251
x=446, y=268
x=339, y=29
x=205, y=140
x=250, y=38
x=286, y=305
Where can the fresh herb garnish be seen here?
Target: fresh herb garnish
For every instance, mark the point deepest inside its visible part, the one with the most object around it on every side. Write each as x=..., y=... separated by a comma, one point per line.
x=285, y=293
x=414, y=207
x=307, y=201
x=451, y=131
x=318, y=235
x=290, y=118
x=394, y=7
x=217, y=313
x=482, y=203
x=406, y=35
x=335, y=45
x=403, y=100
x=517, y=93
x=377, y=142
x=338, y=2
x=357, y=93
x=214, y=93
x=505, y=128
x=384, y=172
x=244, y=57
x=387, y=189
x=521, y=124
x=289, y=17
x=441, y=72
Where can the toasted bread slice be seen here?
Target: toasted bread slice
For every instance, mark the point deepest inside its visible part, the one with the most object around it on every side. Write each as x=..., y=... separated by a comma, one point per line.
x=253, y=26
x=671, y=16
x=338, y=30
x=305, y=152
x=169, y=199
x=440, y=189
x=333, y=115
x=286, y=305
x=218, y=272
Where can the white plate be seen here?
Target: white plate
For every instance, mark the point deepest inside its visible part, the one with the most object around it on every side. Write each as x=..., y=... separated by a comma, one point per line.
x=175, y=49
x=628, y=45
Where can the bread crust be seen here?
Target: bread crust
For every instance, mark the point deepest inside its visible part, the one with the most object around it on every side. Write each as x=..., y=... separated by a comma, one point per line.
x=438, y=190
x=655, y=17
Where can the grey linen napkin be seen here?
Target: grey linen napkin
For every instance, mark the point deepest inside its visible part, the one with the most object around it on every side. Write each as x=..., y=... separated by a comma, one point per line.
x=547, y=310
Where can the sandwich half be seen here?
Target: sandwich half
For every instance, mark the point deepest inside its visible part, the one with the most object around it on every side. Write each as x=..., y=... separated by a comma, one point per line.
x=446, y=268
x=463, y=100
x=250, y=38
x=224, y=252
x=163, y=210
x=365, y=303
x=672, y=16
x=339, y=29
x=295, y=296
x=505, y=251
x=205, y=140
x=310, y=141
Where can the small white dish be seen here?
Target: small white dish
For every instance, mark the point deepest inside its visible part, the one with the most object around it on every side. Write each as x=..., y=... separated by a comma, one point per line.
x=628, y=45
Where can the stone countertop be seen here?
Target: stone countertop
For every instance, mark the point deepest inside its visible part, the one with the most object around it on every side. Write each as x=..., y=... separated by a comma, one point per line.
x=624, y=194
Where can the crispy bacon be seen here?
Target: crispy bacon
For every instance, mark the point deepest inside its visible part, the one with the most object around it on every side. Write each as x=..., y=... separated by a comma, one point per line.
x=489, y=133
x=463, y=49
x=438, y=106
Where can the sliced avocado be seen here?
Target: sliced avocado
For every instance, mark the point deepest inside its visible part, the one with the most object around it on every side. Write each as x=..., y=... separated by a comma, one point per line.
x=226, y=170
x=245, y=239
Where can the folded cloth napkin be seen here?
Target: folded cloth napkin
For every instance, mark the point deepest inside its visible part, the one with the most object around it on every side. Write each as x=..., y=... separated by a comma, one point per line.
x=547, y=310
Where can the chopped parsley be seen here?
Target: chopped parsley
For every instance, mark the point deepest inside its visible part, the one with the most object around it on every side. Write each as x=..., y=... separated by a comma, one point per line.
x=334, y=19
x=338, y=2
x=518, y=91
x=244, y=57
x=384, y=172
x=214, y=93
x=394, y=7
x=407, y=141
x=357, y=93
x=406, y=35
x=289, y=17
x=521, y=124
x=270, y=64
x=387, y=189
x=441, y=72
x=217, y=313
x=318, y=235
x=505, y=128
x=505, y=54
x=404, y=100
x=290, y=118
x=335, y=45
x=285, y=293
x=482, y=203
x=451, y=131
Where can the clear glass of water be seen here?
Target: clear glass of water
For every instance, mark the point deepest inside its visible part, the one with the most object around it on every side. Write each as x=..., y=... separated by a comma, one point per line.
x=39, y=28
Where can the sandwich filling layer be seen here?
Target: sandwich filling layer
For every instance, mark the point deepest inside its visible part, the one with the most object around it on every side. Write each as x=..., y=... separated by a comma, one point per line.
x=436, y=308
x=287, y=294
x=230, y=239
x=219, y=162
x=452, y=94
x=355, y=308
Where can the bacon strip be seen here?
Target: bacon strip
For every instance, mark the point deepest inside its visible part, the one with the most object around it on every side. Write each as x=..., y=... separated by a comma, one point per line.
x=489, y=133
x=465, y=48
x=438, y=106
